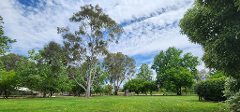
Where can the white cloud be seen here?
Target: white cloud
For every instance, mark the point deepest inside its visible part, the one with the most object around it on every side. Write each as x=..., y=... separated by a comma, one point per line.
x=35, y=26
x=150, y=26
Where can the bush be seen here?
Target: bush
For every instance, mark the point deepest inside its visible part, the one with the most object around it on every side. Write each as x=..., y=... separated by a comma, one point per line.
x=211, y=89
x=232, y=92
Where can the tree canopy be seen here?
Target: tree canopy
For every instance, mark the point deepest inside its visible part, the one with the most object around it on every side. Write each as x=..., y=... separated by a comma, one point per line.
x=11, y=60
x=145, y=73
x=4, y=40
x=120, y=67
x=178, y=78
x=171, y=58
x=215, y=25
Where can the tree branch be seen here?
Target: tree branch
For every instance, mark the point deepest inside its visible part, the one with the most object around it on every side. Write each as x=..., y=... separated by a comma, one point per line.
x=72, y=76
x=84, y=80
x=78, y=83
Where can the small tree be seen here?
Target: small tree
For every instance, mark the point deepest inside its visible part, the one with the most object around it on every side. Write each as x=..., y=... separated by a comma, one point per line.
x=135, y=85
x=108, y=89
x=152, y=87
x=176, y=79
x=120, y=67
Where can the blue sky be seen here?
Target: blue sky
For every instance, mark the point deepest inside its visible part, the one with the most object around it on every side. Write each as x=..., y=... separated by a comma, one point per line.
x=150, y=25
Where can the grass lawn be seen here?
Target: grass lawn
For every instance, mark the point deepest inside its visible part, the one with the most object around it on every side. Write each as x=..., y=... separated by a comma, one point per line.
x=111, y=103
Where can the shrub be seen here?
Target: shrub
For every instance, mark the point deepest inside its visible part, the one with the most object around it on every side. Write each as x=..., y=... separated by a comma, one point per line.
x=232, y=92
x=211, y=89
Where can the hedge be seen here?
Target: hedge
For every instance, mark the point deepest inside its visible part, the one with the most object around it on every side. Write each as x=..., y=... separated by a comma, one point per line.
x=211, y=89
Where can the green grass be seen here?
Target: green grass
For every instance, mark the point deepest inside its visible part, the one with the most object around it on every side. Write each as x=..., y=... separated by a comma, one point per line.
x=111, y=103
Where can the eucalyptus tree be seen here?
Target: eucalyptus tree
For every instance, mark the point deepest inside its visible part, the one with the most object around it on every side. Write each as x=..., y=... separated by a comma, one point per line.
x=120, y=67
x=214, y=24
x=96, y=31
x=145, y=73
x=4, y=40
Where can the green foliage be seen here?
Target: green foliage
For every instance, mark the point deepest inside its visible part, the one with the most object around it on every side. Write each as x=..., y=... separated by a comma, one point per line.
x=134, y=85
x=11, y=60
x=152, y=86
x=215, y=25
x=76, y=89
x=216, y=74
x=145, y=73
x=232, y=92
x=7, y=81
x=211, y=89
x=4, y=40
x=171, y=58
x=119, y=67
x=163, y=90
x=176, y=79
x=41, y=72
x=138, y=85
x=209, y=25
x=108, y=89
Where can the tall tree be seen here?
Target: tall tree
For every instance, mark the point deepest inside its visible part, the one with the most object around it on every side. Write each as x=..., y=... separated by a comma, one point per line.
x=4, y=40
x=120, y=67
x=145, y=73
x=214, y=24
x=209, y=25
x=96, y=31
x=171, y=58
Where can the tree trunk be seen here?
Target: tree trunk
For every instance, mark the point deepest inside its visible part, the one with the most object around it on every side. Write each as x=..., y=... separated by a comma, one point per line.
x=116, y=92
x=87, y=93
x=6, y=94
x=44, y=94
x=180, y=91
x=89, y=81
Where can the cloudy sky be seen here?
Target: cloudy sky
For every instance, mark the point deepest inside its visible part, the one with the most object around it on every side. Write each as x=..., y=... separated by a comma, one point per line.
x=150, y=25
